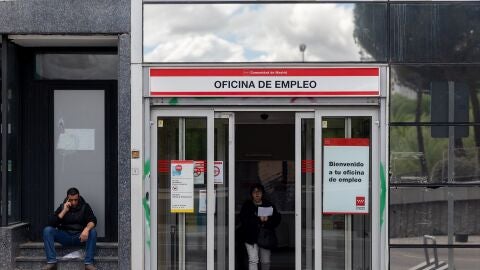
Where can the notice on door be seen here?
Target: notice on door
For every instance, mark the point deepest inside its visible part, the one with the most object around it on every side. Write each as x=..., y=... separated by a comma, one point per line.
x=181, y=193
x=346, y=174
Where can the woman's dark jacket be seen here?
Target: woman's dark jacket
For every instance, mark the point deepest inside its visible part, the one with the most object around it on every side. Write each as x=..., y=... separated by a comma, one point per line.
x=251, y=222
x=75, y=220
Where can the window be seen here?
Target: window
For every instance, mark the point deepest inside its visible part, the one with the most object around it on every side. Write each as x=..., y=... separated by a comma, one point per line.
x=54, y=66
x=280, y=32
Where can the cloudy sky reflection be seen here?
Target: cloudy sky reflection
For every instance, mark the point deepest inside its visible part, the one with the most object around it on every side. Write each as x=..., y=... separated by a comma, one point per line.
x=250, y=33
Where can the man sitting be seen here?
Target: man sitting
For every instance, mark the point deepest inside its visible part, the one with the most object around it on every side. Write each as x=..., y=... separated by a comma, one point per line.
x=72, y=224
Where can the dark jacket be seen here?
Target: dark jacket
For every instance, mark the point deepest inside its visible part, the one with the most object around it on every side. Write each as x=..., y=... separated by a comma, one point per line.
x=75, y=220
x=251, y=222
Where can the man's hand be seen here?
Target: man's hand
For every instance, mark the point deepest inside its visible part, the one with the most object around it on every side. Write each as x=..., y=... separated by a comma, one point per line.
x=66, y=208
x=263, y=219
x=84, y=235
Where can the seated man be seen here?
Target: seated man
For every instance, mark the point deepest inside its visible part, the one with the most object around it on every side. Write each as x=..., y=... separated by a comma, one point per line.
x=72, y=224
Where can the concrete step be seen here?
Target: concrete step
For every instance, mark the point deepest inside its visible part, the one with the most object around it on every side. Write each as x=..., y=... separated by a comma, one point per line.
x=35, y=262
x=104, y=249
x=31, y=255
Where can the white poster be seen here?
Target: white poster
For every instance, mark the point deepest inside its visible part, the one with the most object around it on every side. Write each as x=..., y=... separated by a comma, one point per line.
x=199, y=172
x=346, y=174
x=202, y=201
x=76, y=139
x=181, y=194
x=218, y=173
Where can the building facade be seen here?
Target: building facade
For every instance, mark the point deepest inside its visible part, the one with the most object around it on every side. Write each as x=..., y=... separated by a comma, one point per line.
x=359, y=118
x=66, y=119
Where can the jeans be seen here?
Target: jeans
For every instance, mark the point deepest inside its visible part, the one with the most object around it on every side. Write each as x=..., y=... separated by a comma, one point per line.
x=52, y=235
x=253, y=252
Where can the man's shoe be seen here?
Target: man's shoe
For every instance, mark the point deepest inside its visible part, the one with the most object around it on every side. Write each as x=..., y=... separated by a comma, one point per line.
x=90, y=267
x=50, y=266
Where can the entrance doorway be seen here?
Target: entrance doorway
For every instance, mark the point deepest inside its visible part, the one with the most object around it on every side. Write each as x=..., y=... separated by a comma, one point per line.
x=195, y=215
x=265, y=154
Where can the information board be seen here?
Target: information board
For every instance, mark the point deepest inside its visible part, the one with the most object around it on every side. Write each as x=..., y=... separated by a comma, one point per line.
x=346, y=174
x=181, y=185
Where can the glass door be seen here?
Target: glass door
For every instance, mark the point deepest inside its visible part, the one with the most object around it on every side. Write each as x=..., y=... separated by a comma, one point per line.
x=334, y=155
x=304, y=190
x=347, y=140
x=191, y=176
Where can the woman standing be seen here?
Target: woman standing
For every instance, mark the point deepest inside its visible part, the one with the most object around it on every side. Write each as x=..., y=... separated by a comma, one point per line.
x=252, y=223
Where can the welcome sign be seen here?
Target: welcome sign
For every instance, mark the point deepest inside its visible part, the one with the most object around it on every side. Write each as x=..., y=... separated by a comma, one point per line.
x=265, y=82
x=346, y=175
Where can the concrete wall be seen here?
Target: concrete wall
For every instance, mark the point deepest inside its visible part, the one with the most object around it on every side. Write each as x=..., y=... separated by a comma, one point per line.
x=124, y=200
x=65, y=17
x=10, y=237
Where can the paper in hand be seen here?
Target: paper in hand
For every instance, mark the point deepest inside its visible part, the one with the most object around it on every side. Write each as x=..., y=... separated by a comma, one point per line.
x=265, y=211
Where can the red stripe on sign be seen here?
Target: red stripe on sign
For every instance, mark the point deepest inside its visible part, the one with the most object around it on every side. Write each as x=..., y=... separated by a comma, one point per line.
x=346, y=142
x=345, y=213
x=265, y=94
x=182, y=161
x=269, y=72
x=308, y=166
x=163, y=166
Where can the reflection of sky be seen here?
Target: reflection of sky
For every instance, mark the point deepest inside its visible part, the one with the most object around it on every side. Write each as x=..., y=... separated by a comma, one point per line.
x=249, y=32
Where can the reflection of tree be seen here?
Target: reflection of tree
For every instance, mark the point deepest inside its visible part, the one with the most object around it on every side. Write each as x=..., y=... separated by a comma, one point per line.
x=430, y=33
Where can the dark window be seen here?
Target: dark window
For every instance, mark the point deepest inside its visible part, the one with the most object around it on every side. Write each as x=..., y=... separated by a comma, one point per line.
x=463, y=258
x=54, y=66
x=434, y=165
x=440, y=32
x=422, y=94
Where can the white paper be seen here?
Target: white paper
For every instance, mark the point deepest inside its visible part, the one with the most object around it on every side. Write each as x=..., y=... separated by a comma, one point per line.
x=199, y=172
x=181, y=195
x=202, y=201
x=74, y=255
x=218, y=173
x=265, y=211
x=76, y=139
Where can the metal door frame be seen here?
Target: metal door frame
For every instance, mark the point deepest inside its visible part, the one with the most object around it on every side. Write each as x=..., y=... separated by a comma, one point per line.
x=206, y=114
x=375, y=177
x=302, y=112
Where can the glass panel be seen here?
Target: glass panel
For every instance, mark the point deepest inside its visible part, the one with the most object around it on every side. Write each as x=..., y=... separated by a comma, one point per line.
x=79, y=153
x=440, y=32
x=414, y=258
x=76, y=66
x=418, y=211
x=196, y=223
x=346, y=237
x=280, y=32
x=421, y=94
x=168, y=229
x=182, y=238
x=221, y=189
x=416, y=156
x=308, y=184
x=13, y=138
x=361, y=224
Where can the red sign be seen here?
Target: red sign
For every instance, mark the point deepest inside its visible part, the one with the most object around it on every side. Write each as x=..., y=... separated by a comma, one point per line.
x=265, y=82
x=360, y=201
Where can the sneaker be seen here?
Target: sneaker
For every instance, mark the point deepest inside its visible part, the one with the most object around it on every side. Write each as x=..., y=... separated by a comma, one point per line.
x=90, y=267
x=50, y=266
